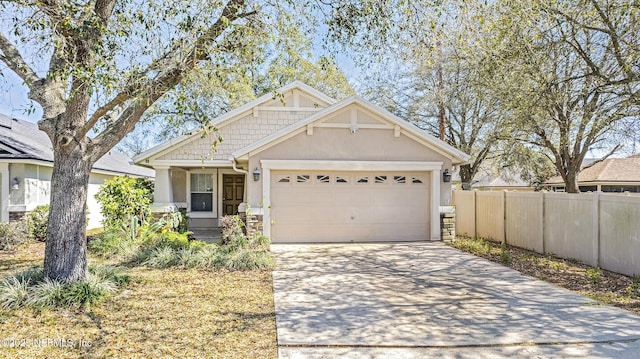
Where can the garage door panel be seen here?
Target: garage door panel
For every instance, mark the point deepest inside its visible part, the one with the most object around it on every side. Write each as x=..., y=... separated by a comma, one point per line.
x=355, y=233
x=388, y=207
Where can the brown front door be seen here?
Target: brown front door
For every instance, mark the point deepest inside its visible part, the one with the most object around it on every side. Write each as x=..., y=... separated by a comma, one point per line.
x=232, y=191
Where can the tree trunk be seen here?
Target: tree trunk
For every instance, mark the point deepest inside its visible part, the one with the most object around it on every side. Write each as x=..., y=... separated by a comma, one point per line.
x=571, y=185
x=66, y=247
x=466, y=175
x=442, y=116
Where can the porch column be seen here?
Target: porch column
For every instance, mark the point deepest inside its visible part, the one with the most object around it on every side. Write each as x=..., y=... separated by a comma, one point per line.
x=5, y=182
x=435, y=205
x=163, y=191
x=266, y=201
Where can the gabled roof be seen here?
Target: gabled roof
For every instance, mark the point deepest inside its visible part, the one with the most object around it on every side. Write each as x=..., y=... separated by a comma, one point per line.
x=458, y=157
x=22, y=140
x=234, y=115
x=609, y=170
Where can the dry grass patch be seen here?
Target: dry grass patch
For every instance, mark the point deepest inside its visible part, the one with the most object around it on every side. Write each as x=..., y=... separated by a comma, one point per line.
x=607, y=287
x=162, y=313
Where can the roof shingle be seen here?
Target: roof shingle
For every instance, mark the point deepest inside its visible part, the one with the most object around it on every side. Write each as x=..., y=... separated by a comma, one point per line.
x=23, y=140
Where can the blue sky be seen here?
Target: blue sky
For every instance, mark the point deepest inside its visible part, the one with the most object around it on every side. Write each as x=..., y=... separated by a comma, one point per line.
x=14, y=101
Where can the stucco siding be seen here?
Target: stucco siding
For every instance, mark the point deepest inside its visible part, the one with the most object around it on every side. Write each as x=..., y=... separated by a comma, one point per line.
x=179, y=185
x=16, y=195
x=340, y=144
x=95, y=211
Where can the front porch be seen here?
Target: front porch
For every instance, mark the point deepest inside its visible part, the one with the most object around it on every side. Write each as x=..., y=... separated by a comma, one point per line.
x=204, y=194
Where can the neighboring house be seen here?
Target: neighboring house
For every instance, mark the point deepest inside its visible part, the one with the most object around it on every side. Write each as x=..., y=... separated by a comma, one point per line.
x=487, y=181
x=610, y=175
x=309, y=168
x=26, y=164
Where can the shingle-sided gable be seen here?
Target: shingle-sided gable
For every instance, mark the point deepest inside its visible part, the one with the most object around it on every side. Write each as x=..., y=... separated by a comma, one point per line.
x=251, y=125
x=235, y=135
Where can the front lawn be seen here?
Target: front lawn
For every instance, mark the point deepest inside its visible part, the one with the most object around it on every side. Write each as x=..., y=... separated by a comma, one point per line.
x=173, y=312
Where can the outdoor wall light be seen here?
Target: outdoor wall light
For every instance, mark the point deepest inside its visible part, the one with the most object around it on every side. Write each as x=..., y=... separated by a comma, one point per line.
x=446, y=176
x=15, y=183
x=256, y=174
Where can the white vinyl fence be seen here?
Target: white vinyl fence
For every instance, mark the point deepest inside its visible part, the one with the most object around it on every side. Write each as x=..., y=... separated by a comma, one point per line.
x=596, y=228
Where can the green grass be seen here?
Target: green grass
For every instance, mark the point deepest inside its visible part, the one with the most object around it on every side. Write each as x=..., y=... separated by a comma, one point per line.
x=594, y=274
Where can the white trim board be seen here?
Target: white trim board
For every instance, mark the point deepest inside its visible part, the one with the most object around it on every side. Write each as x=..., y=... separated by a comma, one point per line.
x=350, y=165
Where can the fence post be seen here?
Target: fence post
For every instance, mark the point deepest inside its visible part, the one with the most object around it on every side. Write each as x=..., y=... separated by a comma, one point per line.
x=596, y=227
x=504, y=217
x=544, y=222
x=475, y=214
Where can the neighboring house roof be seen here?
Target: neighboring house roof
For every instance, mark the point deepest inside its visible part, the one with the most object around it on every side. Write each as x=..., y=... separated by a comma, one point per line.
x=489, y=179
x=459, y=157
x=22, y=140
x=609, y=170
x=235, y=115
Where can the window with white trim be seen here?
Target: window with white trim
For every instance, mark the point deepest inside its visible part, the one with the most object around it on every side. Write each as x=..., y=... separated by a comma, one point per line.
x=201, y=192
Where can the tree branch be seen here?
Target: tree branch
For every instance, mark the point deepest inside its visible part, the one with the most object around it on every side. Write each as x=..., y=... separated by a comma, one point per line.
x=12, y=58
x=153, y=89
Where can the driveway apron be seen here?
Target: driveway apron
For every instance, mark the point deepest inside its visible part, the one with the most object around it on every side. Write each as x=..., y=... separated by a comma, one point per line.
x=428, y=299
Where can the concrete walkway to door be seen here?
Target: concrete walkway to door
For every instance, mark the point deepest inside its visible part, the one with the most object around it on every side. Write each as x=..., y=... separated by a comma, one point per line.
x=415, y=300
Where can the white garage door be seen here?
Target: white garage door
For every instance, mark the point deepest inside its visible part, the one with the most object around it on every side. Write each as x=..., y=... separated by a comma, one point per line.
x=346, y=206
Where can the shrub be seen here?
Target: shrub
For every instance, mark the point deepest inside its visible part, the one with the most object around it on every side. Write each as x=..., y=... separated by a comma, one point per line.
x=30, y=289
x=14, y=292
x=162, y=257
x=124, y=197
x=114, y=243
x=156, y=246
x=633, y=290
x=232, y=231
x=594, y=274
x=46, y=294
x=38, y=219
x=88, y=292
x=248, y=260
x=13, y=234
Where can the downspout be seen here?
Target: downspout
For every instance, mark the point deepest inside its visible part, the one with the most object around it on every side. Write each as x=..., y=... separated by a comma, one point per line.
x=233, y=163
x=246, y=177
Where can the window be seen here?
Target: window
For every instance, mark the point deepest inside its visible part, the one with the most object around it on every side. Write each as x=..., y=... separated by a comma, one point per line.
x=303, y=178
x=363, y=180
x=416, y=180
x=340, y=180
x=588, y=188
x=399, y=179
x=286, y=179
x=381, y=179
x=323, y=179
x=619, y=189
x=201, y=192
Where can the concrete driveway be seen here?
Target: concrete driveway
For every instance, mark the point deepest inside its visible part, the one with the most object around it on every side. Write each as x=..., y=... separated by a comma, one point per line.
x=416, y=300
